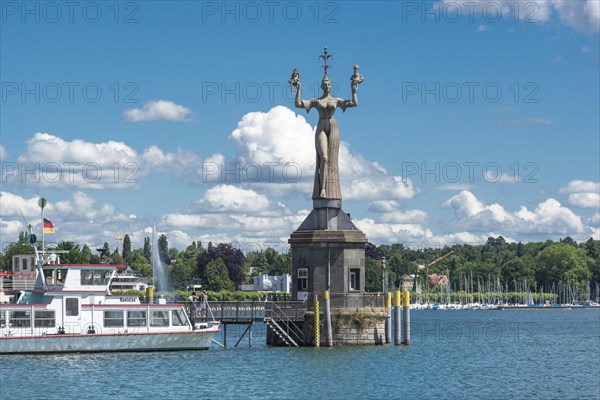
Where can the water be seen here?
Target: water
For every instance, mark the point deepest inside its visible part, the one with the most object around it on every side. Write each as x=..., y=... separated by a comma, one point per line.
x=159, y=271
x=552, y=354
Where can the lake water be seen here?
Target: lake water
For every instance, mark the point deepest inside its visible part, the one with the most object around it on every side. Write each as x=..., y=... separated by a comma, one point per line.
x=550, y=354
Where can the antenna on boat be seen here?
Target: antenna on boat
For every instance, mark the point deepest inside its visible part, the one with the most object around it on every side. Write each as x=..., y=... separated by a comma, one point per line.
x=32, y=239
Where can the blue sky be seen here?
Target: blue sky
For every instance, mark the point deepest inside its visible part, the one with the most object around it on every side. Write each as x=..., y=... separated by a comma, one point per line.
x=473, y=120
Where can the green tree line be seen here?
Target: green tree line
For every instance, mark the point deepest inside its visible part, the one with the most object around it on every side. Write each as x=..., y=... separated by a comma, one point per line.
x=535, y=266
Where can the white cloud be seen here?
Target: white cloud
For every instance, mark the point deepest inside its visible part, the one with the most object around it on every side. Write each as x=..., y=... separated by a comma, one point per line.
x=580, y=186
x=581, y=15
x=584, y=194
x=389, y=212
x=482, y=28
x=548, y=218
x=81, y=164
x=281, y=143
x=228, y=198
x=585, y=200
x=454, y=186
x=3, y=153
x=539, y=120
x=158, y=110
x=392, y=233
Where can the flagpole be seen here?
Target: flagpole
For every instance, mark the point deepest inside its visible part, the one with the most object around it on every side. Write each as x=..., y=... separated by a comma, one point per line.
x=42, y=203
x=43, y=233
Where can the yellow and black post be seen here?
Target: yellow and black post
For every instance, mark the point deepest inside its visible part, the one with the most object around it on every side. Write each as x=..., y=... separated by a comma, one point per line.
x=397, y=318
x=406, y=306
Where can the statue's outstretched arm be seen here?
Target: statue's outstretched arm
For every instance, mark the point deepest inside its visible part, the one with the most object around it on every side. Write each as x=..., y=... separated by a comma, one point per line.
x=306, y=104
x=343, y=104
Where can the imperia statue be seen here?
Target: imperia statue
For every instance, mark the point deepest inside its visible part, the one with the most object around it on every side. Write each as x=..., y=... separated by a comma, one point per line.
x=327, y=135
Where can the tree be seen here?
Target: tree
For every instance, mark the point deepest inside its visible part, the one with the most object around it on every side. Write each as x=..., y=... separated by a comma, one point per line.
x=372, y=275
x=516, y=271
x=86, y=254
x=139, y=263
x=233, y=259
x=74, y=255
x=163, y=249
x=557, y=259
x=126, y=247
x=19, y=247
x=282, y=264
x=216, y=276
x=147, y=249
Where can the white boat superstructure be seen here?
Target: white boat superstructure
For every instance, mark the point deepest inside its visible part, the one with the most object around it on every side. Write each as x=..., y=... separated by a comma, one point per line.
x=71, y=309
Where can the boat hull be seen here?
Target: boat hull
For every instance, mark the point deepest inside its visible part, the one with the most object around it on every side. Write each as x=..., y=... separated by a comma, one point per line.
x=147, y=341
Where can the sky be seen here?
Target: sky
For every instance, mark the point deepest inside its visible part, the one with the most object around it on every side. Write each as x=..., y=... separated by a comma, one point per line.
x=475, y=119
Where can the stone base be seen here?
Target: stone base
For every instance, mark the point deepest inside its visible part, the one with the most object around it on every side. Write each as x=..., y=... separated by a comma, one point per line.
x=323, y=254
x=350, y=327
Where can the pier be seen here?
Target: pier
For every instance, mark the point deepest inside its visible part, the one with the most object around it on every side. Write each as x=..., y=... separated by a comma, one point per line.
x=280, y=316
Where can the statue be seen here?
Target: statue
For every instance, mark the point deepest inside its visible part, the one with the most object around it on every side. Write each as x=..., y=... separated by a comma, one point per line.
x=327, y=135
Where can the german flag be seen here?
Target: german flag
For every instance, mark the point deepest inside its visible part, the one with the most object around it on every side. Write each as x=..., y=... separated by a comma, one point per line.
x=48, y=227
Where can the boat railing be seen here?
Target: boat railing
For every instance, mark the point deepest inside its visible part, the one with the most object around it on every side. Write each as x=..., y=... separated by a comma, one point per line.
x=17, y=282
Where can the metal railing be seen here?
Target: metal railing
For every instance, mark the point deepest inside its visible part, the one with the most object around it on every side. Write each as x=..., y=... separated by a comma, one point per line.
x=283, y=317
x=351, y=300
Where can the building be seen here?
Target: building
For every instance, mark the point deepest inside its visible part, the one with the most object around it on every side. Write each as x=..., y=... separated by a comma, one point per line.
x=269, y=283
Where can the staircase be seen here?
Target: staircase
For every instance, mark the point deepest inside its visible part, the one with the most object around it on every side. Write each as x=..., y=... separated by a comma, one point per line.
x=282, y=322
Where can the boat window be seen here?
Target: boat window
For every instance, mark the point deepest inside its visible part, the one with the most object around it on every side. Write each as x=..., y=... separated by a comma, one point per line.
x=87, y=277
x=159, y=318
x=20, y=319
x=101, y=277
x=61, y=276
x=2, y=319
x=49, y=276
x=179, y=318
x=72, y=307
x=16, y=264
x=113, y=318
x=136, y=318
x=44, y=319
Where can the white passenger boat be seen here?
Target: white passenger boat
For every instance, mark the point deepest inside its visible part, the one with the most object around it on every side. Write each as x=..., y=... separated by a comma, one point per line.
x=71, y=309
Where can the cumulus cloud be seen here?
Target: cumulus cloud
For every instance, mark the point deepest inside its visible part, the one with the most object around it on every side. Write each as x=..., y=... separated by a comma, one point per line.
x=581, y=15
x=280, y=145
x=56, y=162
x=389, y=212
x=584, y=194
x=79, y=218
x=580, y=186
x=155, y=110
x=585, y=200
x=548, y=218
x=228, y=198
x=392, y=233
x=3, y=153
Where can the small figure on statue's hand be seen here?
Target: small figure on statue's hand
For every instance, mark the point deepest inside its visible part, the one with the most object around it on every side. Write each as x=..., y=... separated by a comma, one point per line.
x=356, y=78
x=295, y=79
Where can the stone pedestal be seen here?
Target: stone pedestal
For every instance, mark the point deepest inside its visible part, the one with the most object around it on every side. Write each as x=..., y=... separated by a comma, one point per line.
x=328, y=250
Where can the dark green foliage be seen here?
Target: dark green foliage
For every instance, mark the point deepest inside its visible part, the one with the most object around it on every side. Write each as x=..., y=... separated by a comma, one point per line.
x=232, y=258
x=126, y=247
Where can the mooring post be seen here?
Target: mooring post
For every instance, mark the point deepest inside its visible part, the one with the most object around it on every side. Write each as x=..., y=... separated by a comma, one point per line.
x=397, y=318
x=327, y=312
x=388, y=319
x=317, y=338
x=406, y=306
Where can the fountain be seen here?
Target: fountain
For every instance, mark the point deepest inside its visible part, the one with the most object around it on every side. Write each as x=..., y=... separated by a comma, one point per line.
x=160, y=277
